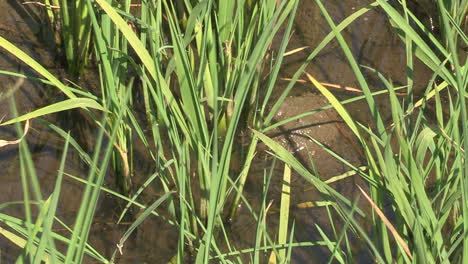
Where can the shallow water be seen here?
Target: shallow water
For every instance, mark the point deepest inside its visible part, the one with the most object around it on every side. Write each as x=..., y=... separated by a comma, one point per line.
x=372, y=43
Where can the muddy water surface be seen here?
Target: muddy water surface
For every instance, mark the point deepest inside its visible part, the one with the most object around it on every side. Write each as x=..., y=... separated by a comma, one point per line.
x=372, y=43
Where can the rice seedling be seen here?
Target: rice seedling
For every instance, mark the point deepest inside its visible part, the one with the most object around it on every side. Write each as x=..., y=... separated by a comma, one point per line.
x=114, y=68
x=215, y=85
x=417, y=164
x=71, y=24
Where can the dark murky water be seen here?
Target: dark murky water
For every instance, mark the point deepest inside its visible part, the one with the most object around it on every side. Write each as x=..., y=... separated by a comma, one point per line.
x=372, y=43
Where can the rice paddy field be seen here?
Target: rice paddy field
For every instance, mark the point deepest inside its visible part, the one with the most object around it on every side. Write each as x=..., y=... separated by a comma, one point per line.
x=244, y=131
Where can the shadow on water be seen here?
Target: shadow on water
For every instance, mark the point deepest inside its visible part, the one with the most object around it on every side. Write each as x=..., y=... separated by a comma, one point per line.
x=372, y=43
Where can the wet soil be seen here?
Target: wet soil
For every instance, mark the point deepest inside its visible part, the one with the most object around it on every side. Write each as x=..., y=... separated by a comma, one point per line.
x=372, y=43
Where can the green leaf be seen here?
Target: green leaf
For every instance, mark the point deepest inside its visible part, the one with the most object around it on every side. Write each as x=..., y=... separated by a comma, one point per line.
x=35, y=65
x=57, y=107
x=284, y=210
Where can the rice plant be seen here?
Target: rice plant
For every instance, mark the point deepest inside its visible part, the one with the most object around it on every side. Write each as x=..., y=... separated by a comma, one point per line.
x=71, y=24
x=198, y=80
x=206, y=71
x=416, y=165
